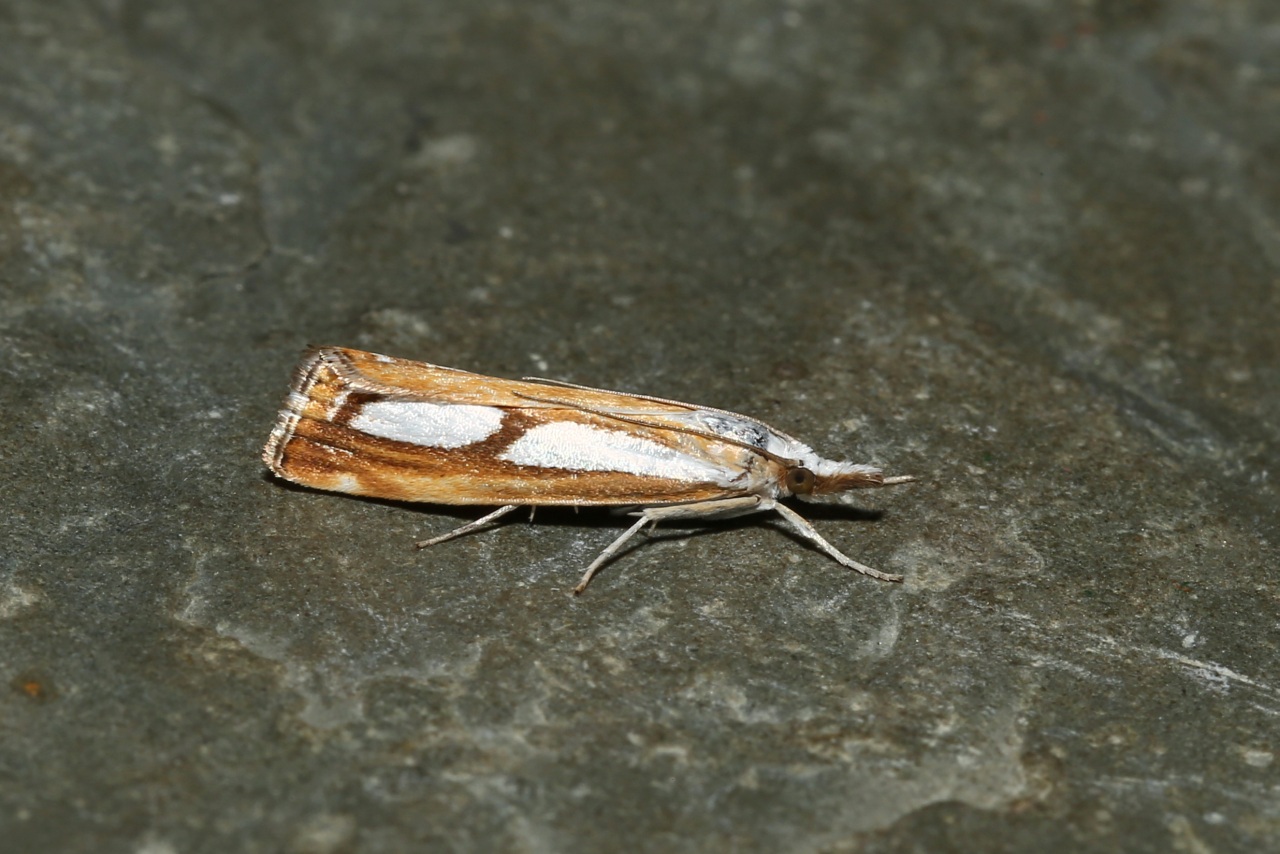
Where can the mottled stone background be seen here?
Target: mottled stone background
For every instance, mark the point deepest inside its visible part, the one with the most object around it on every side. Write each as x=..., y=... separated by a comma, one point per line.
x=1027, y=250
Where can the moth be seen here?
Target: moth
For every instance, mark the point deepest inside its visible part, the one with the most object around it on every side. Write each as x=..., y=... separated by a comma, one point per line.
x=384, y=427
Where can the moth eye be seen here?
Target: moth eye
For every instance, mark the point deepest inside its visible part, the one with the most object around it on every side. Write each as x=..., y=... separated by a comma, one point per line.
x=800, y=481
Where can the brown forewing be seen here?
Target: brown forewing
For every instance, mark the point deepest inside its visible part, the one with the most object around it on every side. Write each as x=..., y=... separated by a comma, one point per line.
x=314, y=446
x=388, y=375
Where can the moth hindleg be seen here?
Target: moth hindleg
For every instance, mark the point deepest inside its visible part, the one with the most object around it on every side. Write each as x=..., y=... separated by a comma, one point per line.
x=469, y=527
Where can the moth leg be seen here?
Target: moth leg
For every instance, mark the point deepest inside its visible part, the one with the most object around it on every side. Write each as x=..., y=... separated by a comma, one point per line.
x=610, y=551
x=719, y=508
x=652, y=515
x=802, y=527
x=469, y=527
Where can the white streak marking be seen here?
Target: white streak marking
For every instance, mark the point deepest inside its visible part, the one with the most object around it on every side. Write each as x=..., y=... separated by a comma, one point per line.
x=579, y=447
x=431, y=425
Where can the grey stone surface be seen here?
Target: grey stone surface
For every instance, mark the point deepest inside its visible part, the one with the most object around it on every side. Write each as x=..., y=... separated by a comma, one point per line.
x=1028, y=251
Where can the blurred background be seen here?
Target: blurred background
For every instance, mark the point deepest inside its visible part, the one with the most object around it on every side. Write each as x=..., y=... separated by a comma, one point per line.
x=1026, y=251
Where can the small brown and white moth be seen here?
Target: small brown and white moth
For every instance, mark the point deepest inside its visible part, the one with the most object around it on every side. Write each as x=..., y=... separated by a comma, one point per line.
x=392, y=428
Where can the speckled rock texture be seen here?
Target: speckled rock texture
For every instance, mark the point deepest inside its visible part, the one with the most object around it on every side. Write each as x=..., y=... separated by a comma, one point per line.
x=1027, y=251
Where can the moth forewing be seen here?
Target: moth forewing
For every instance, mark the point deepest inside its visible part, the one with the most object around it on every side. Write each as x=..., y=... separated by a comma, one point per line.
x=391, y=428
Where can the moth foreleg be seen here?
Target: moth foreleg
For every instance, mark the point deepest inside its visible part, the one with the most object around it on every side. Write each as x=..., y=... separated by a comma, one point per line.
x=719, y=508
x=801, y=526
x=469, y=527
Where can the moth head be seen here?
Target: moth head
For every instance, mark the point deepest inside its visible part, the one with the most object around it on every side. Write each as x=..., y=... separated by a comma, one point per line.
x=817, y=479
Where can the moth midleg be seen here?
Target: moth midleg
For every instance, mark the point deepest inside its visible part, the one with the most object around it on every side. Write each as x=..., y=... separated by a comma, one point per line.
x=468, y=528
x=609, y=552
x=720, y=507
x=804, y=529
